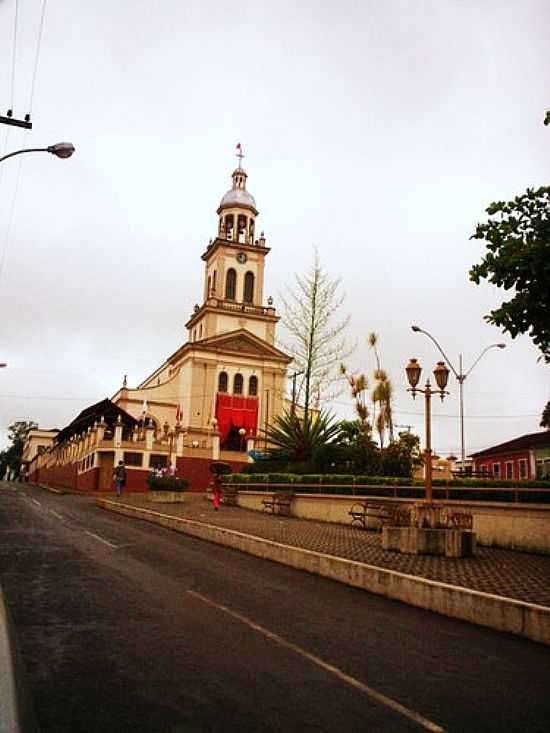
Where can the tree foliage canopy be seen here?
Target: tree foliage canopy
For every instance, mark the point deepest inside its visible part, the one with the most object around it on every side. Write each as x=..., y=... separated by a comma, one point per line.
x=545, y=419
x=11, y=456
x=518, y=258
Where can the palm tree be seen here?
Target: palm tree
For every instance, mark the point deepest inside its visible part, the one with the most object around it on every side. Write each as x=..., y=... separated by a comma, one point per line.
x=382, y=396
x=359, y=385
x=299, y=439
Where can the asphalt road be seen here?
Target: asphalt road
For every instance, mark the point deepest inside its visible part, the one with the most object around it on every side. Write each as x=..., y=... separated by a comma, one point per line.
x=125, y=626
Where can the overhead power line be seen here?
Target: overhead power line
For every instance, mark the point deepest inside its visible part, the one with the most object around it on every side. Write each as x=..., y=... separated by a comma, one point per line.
x=37, y=55
x=204, y=394
x=14, y=53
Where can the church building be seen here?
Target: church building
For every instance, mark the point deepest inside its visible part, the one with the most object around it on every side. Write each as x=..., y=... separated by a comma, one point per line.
x=213, y=396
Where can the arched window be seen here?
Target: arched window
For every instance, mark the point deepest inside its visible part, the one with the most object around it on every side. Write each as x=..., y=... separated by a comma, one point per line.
x=214, y=282
x=238, y=384
x=253, y=386
x=229, y=226
x=230, y=284
x=248, y=287
x=241, y=228
x=222, y=382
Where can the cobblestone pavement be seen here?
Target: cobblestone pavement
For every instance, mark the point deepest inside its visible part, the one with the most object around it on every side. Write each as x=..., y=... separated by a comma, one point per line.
x=519, y=575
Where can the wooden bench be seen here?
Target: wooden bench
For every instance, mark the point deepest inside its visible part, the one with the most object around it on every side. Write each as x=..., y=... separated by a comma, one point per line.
x=278, y=503
x=385, y=512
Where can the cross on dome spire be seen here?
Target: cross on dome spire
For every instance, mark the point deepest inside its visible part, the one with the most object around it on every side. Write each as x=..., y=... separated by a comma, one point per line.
x=240, y=155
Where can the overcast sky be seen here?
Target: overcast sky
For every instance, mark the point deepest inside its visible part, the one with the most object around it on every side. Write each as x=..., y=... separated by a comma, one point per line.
x=376, y=132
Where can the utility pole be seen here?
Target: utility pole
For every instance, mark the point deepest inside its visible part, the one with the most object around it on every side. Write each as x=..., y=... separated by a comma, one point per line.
x=293, y=405
x=266, y=421
x=9, y=119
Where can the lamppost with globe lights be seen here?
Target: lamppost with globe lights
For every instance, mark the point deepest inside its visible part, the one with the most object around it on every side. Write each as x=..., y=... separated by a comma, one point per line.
x=60, y=150
x=441, y=374
x=460, y=378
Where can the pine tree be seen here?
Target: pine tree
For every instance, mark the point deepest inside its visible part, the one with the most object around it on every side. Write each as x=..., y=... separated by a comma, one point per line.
x=318, y=343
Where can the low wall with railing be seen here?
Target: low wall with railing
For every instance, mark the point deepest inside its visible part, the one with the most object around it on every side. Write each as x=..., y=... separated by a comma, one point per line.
x=516, y=526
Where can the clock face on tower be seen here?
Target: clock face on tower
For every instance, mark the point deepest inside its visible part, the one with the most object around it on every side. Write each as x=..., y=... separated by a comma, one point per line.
x=241, y=257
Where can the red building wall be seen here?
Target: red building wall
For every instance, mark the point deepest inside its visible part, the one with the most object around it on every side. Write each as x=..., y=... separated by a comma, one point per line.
x=66, y=477
x=87, y=481
x=513, y=457
x=59, y=477
x=197, y=471
x=136, y=480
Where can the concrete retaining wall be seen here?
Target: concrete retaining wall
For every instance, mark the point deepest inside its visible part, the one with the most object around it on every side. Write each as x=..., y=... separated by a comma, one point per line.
x=16, y=710
x=503, y=614
x=496, y=524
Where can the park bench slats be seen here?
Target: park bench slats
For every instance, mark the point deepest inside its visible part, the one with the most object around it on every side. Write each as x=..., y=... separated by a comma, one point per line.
x=278, y=503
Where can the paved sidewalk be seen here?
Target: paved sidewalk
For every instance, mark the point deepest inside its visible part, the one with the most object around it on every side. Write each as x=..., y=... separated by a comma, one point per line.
x=516, y=575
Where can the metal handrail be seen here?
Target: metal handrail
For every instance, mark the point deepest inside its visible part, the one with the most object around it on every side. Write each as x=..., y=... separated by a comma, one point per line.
x=516, y=491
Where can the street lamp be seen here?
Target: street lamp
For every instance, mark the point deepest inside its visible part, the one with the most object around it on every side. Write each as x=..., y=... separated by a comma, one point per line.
x=441, y=374
x=460, y=377
x=60, y=150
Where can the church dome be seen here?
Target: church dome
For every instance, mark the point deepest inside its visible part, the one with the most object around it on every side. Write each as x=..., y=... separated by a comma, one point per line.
x=237, y=197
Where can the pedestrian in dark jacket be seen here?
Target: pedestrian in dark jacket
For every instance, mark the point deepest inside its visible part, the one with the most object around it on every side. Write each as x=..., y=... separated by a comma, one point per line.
x=119, y=476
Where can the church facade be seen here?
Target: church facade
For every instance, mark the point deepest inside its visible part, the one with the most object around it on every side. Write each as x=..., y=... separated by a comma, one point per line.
x=215, y=394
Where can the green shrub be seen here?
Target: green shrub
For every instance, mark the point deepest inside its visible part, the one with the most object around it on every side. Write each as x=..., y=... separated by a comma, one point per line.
x=385, y=486
x=278, y=478
x=339, y=478
x=167, y=483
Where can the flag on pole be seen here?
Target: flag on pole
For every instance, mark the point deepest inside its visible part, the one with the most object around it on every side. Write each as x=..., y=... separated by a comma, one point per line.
x=144, y=409
x=239, y=146
x=179, y=414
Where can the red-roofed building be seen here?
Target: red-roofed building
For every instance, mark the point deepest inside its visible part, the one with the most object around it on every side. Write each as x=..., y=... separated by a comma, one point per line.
x=523, y=458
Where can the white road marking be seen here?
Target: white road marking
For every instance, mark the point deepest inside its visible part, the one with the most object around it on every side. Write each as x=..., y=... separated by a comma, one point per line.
x=56, y=514
x=374, y=694
x=100, y=539
x=35, y=501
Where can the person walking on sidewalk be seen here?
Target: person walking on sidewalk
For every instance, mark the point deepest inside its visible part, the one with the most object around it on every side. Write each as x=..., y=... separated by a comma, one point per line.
x=119, y=476
x=217, y=492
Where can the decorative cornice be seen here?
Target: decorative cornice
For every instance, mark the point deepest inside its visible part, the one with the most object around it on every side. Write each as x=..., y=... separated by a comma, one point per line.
x=241, y=310
x=231, y=244
x=223, y=343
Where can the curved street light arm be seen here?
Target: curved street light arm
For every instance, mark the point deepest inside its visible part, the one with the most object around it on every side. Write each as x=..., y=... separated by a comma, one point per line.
x=417, y=329
x=485, y=350
x=60, y=150
x=27, y=150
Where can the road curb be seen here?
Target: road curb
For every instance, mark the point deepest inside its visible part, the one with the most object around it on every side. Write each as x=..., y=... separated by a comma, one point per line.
x=497, y=612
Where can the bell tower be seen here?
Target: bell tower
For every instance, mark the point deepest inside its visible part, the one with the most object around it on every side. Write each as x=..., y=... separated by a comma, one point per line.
x=234, y=266
x=228, y=379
